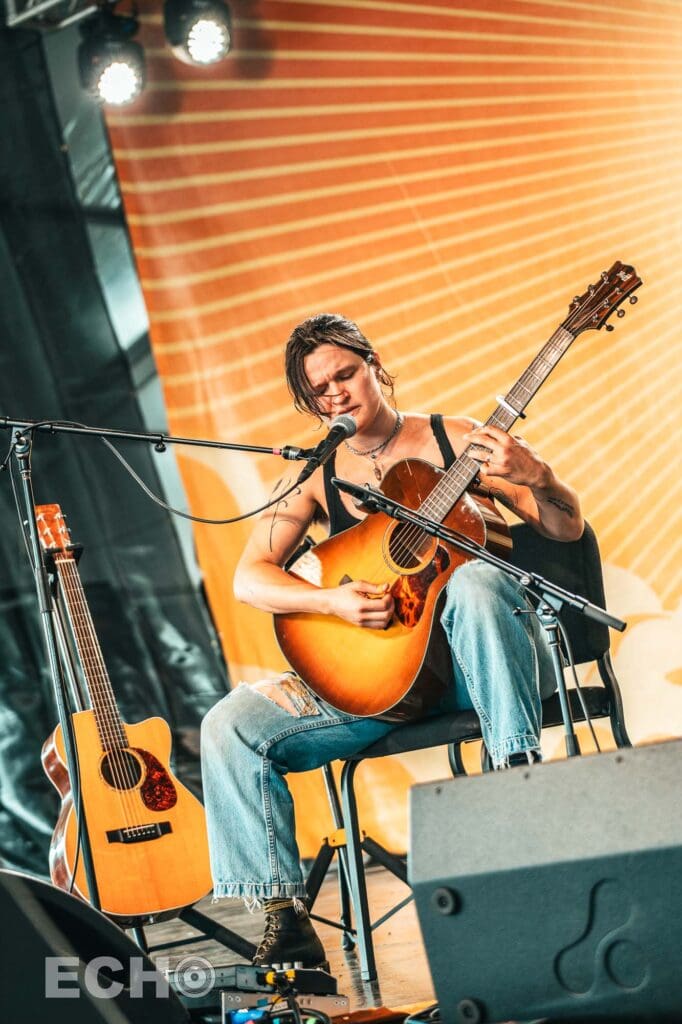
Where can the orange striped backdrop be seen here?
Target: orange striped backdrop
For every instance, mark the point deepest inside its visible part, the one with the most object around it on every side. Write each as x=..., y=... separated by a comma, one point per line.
x=448, y=174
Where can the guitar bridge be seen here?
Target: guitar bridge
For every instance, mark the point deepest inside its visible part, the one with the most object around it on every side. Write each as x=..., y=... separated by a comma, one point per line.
x=139, y=833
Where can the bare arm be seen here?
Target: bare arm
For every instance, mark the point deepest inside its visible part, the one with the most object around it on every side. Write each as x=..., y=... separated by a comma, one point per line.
x=516, y=476
x=259, y=578
x=261, y=581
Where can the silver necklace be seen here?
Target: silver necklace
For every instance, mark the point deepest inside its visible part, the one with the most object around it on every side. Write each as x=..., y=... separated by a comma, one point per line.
x=374, y=453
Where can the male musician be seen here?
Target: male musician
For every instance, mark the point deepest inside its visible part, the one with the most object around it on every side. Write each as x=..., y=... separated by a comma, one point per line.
x=501, y=662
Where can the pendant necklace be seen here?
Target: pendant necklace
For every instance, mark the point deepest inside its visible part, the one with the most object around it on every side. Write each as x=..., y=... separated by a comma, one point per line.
x=373, y=453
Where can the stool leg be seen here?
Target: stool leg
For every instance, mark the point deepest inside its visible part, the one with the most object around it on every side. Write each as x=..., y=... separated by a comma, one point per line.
x=356, y=872
x=348, y=940
x=455, y=759
x=608, y=676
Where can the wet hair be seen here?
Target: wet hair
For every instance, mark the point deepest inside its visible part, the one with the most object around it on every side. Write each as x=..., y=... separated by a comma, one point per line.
x=324, y=329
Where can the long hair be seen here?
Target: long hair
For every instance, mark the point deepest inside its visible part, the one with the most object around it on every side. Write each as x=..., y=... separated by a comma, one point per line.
x=324, y=329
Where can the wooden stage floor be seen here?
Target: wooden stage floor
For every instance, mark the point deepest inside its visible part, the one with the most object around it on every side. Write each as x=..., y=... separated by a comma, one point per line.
x=404, y=978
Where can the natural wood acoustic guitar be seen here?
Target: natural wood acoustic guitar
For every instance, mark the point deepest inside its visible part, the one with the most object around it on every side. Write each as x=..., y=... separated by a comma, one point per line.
x=147, y=831
x=400, y=672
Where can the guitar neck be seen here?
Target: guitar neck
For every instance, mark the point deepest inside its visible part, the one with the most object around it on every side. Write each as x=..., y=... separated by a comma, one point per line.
x=465, y=469
x=109, y=723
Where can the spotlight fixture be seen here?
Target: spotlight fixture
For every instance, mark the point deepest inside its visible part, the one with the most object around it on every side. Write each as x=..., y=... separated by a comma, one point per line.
x=198, y=31
x=110, y=64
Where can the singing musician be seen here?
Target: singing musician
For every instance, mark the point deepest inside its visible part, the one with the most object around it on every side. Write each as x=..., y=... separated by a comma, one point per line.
x=501, y=661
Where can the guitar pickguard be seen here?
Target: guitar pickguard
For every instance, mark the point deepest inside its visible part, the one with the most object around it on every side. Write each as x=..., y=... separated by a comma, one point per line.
x=157, y=791
x=409, y=592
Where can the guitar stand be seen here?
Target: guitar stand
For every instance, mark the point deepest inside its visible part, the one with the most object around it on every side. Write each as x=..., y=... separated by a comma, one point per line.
x=60, y=673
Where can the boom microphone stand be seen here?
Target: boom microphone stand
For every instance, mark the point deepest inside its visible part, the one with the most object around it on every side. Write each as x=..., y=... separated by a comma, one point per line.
x=551, y=596
x=61, y=673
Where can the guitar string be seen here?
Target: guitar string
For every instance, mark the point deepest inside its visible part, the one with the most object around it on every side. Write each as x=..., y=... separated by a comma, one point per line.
x=442, y=498
x=109, y=717
x=108, y=723
x=62, y=563
x=555, y=348
x=103, y=718
x=440, y=501
x=453, y=485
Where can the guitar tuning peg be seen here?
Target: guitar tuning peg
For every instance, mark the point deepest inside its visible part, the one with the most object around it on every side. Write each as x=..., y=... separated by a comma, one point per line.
x=620, y=314
x=633, y=300
x=610, y=327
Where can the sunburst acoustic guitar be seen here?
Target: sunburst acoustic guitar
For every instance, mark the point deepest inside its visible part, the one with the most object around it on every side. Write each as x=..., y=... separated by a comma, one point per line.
x=399, y=672
x=147, y=831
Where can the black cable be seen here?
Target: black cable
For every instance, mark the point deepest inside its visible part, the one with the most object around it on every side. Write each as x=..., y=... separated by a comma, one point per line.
x=6, y=461
x=79, y=823
x=187, y=515
x=292, y=1014
x=293, y=1006
x=578, y=687
x=143, y=486
x=22, y=524
x=429, y=1015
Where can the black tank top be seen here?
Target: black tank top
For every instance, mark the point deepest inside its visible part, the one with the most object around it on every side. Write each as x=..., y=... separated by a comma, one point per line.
x=339, y=516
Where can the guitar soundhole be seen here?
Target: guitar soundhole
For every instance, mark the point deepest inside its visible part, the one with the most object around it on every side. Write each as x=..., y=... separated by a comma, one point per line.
x=121, y=769
x=409, y=548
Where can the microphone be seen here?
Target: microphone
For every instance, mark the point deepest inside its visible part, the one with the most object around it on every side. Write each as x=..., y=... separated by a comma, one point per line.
x=342, y=427
x=364, y=496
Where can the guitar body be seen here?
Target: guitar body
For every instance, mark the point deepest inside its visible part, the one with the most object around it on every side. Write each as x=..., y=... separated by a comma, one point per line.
x=400, y=672
x=147, y=831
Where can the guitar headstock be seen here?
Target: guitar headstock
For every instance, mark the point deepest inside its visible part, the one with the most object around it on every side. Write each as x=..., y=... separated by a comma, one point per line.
x=52, y=530
x=591, y=311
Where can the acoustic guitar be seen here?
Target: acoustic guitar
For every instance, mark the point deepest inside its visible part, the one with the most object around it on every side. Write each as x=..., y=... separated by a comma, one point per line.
x=400, y=672
x=147, y=831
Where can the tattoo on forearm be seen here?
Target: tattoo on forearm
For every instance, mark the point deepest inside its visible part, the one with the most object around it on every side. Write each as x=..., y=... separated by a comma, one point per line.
x=561, y=504
x=278, y=515
x=503, y=498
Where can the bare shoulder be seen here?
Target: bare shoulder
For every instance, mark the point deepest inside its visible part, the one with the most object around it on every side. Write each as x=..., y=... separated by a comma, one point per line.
x=456, y=427
x=282, y=526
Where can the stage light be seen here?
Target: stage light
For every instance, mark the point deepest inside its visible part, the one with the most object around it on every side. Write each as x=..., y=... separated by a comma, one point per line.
x=198, y=31
x=110, y=64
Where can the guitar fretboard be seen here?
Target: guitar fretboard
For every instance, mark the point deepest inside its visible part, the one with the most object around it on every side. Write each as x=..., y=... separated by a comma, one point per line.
x=109, y=723
x=465, y=469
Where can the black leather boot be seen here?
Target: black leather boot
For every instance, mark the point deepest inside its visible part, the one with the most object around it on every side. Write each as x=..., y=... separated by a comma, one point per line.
x=290, y=939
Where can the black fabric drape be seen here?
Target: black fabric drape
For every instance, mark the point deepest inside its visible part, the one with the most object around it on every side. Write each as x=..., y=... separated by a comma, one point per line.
x=60, y=358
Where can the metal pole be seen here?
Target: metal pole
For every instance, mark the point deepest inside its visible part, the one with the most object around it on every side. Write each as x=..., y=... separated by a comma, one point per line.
x=22, y=451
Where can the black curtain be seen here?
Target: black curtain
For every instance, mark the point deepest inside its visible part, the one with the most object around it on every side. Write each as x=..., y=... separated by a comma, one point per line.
x=60, y=357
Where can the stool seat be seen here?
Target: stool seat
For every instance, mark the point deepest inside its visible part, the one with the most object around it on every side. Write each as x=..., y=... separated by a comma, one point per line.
x=464, y=726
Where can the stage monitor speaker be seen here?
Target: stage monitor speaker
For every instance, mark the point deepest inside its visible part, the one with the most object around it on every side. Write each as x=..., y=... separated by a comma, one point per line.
x=50, y=968
x=554, y=891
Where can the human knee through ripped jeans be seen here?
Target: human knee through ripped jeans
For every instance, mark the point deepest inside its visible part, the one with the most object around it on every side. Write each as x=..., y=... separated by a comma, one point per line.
x=256, y=734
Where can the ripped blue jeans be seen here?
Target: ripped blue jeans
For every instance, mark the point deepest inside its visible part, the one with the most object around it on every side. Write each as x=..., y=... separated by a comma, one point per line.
x=256, y=734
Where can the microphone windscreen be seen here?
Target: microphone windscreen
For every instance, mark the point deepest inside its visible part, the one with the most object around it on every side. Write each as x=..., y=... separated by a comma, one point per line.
x=346, y=423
